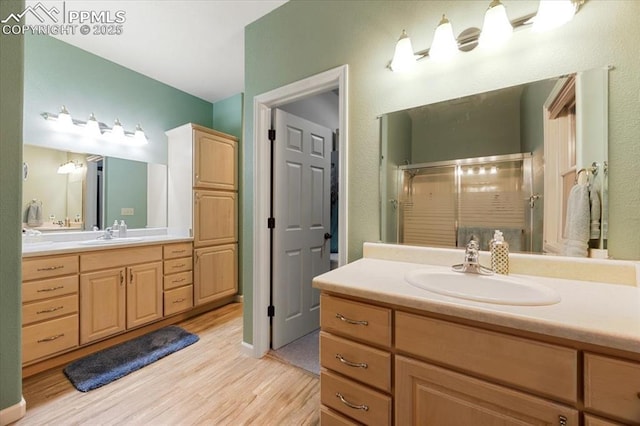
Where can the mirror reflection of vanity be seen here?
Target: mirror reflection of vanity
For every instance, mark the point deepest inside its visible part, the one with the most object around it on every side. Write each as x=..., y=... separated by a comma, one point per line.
x=505, y=159
x=91, y=191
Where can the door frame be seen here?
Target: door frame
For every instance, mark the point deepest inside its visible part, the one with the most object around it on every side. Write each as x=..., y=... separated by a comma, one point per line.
x=336, y=78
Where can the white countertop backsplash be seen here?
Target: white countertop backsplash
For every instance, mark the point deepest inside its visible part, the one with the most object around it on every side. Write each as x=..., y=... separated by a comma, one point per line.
x=605, y=313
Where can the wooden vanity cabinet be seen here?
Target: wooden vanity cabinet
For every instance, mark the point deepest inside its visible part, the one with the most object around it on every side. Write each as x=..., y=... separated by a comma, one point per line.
x=178, y=278
x=49, y=306
x=215, y=273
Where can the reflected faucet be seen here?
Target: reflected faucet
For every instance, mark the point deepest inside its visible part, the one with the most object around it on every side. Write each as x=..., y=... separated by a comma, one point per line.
x=108, y=234
x=471, y=263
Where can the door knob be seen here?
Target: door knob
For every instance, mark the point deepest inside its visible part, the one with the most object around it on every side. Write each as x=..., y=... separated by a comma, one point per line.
x=327, y=235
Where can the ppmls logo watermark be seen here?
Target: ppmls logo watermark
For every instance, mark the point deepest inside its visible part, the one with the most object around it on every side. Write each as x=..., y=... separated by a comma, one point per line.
x=63, y=21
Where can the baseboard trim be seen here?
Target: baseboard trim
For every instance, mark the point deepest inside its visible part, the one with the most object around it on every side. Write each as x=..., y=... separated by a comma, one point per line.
x=13, y=413
x=248, y=350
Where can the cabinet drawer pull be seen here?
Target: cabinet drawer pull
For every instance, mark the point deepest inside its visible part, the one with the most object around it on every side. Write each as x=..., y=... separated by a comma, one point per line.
x=179, y=300
x=182, y=265
x=351, y=405
x=178, y=251
x=562, y=420
x=350, y=363
x=350, y=321
x=46, y=311
x=49, y=289
x=178, y=281
x=49, y=339
x=51, y=268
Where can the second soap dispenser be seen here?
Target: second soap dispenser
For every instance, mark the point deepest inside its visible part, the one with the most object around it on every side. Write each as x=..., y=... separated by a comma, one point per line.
x=499, y=254
x=122, y=229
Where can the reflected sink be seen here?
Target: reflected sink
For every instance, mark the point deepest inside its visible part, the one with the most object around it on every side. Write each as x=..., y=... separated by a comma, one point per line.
x=102, y=241
x=498, y=289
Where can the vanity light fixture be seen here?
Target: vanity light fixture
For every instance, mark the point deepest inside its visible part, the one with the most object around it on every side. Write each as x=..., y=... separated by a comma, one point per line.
x=96, y=129
x=69, y=167
x=496, y=31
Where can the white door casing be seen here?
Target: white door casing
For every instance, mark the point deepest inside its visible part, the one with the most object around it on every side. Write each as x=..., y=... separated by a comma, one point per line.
x=301, y=251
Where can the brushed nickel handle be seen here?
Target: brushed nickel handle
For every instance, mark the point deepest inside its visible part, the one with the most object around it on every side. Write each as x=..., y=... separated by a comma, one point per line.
x=182, y=265
x=351, y=363
x=352, y=405
x=49, y=339
x=179, y=300
x=51, y=268
x=178, y=251
x=178, y=281
x=130, y=276
x=562, y=420
x=350, y=321
x=49, y=289
x=46, y=311
x=121, y=278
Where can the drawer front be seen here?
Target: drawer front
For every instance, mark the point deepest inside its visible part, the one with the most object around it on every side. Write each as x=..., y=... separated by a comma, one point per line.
x=596, y=421
x=46, y=267
x=354, y=400
x=178, y=300
x=44, y=289
x=114, y=258
x=542, y=368
x=172, y=251
x=612, y=386
x=358, y=320
x=331, y=418
x=47, y=338
x=360, y=362
x=50, y=308
x=178, y=265
x=178, y=280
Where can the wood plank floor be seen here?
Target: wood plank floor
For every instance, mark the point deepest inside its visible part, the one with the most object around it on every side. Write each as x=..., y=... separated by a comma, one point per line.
x=208, y=383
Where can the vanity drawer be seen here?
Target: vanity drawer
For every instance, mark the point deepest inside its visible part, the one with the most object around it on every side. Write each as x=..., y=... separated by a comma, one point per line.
x=44, y=289
x=50, y=308
x=542, y=368
x=114, y=258
x=350, y=398
x=331, y=418
x=45, y=267
x=172, y=251
x=362, y=363
x=178, y=280
x=612, y=387
x=178, y=300
x=49, y=337
x=178, y=265
x=596, y=421
x=358, y=320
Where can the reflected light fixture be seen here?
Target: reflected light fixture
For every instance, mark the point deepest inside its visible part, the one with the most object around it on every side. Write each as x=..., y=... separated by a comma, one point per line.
x=69, y=167
x=554, y=13
x=496, y=28
x=444, y=44
x=403, y=57
x=64, y=118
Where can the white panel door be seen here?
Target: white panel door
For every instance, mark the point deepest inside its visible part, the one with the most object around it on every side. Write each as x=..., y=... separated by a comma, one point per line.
x=301, y=251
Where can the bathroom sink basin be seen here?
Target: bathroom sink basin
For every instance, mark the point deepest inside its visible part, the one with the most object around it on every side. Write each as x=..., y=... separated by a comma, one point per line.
x=102, y=241
x=498, y=289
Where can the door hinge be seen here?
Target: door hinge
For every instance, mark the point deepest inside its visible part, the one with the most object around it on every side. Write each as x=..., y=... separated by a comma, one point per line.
x=271, y=222
x=272, y=135
x=271, y=311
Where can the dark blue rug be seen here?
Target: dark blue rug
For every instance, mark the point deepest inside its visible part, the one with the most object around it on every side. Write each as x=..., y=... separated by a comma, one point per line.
x=112, y=363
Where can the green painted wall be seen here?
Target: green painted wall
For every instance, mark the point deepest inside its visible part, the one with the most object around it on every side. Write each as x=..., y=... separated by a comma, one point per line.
x=281, y=49
x=57, y=73
x=228, y=117
x=11, y=81
x=125, y=186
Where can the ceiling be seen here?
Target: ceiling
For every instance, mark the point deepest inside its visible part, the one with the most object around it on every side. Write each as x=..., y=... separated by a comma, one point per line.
x=194, y=45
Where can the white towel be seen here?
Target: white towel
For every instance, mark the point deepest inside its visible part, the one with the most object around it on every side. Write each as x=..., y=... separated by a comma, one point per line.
x=594, y=197
x=34, y=214
x=577, y=224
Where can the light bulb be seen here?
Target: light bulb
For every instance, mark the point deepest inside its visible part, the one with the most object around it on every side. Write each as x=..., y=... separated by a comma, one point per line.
x=552, y=14
x=496, y=29
x=92, y=128
x=139, y=135
x=403, y=57
x=444, y=44
x=117, y=132
x=64, y=118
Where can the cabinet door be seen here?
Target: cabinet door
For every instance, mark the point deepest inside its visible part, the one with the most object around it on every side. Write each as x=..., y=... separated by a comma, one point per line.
x=215, y=218
x=215, y=273
x=144, y=294
x=215, y=161
x=102, y=304
x=430, y=395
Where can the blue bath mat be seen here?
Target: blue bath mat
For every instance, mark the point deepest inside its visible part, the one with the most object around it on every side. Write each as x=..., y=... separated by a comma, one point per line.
x=112, y=363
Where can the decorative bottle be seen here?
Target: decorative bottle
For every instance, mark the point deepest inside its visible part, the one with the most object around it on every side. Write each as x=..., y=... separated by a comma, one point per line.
x=499, y=254
x=122, y=229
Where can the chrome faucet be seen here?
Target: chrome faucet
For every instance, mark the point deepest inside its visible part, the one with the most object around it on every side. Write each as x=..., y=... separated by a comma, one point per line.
x=108, y=234
x=471, y=263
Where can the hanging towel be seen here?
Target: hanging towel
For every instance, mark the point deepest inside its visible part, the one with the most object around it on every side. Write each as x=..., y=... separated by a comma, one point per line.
x=594, y=198
x=34, y=214
x=577, y=224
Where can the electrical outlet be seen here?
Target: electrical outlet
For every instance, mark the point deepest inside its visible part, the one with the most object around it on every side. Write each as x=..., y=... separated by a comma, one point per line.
x=126, y=211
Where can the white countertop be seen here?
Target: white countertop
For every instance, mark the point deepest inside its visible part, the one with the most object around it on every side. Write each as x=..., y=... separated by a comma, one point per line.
x=596, y=313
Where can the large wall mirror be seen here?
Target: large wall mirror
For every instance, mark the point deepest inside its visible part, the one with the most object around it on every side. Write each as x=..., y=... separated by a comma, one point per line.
x=68, y=191
x=509, y=159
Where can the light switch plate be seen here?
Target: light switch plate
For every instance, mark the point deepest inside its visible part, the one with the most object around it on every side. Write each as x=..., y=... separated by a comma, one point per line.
x=126, y=211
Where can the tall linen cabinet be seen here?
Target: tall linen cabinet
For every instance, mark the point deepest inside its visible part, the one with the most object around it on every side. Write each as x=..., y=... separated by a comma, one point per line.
x=202, y=203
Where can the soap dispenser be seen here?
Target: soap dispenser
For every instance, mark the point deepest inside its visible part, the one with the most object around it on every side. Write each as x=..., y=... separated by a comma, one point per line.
x=499, y=254
x=122, y=229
